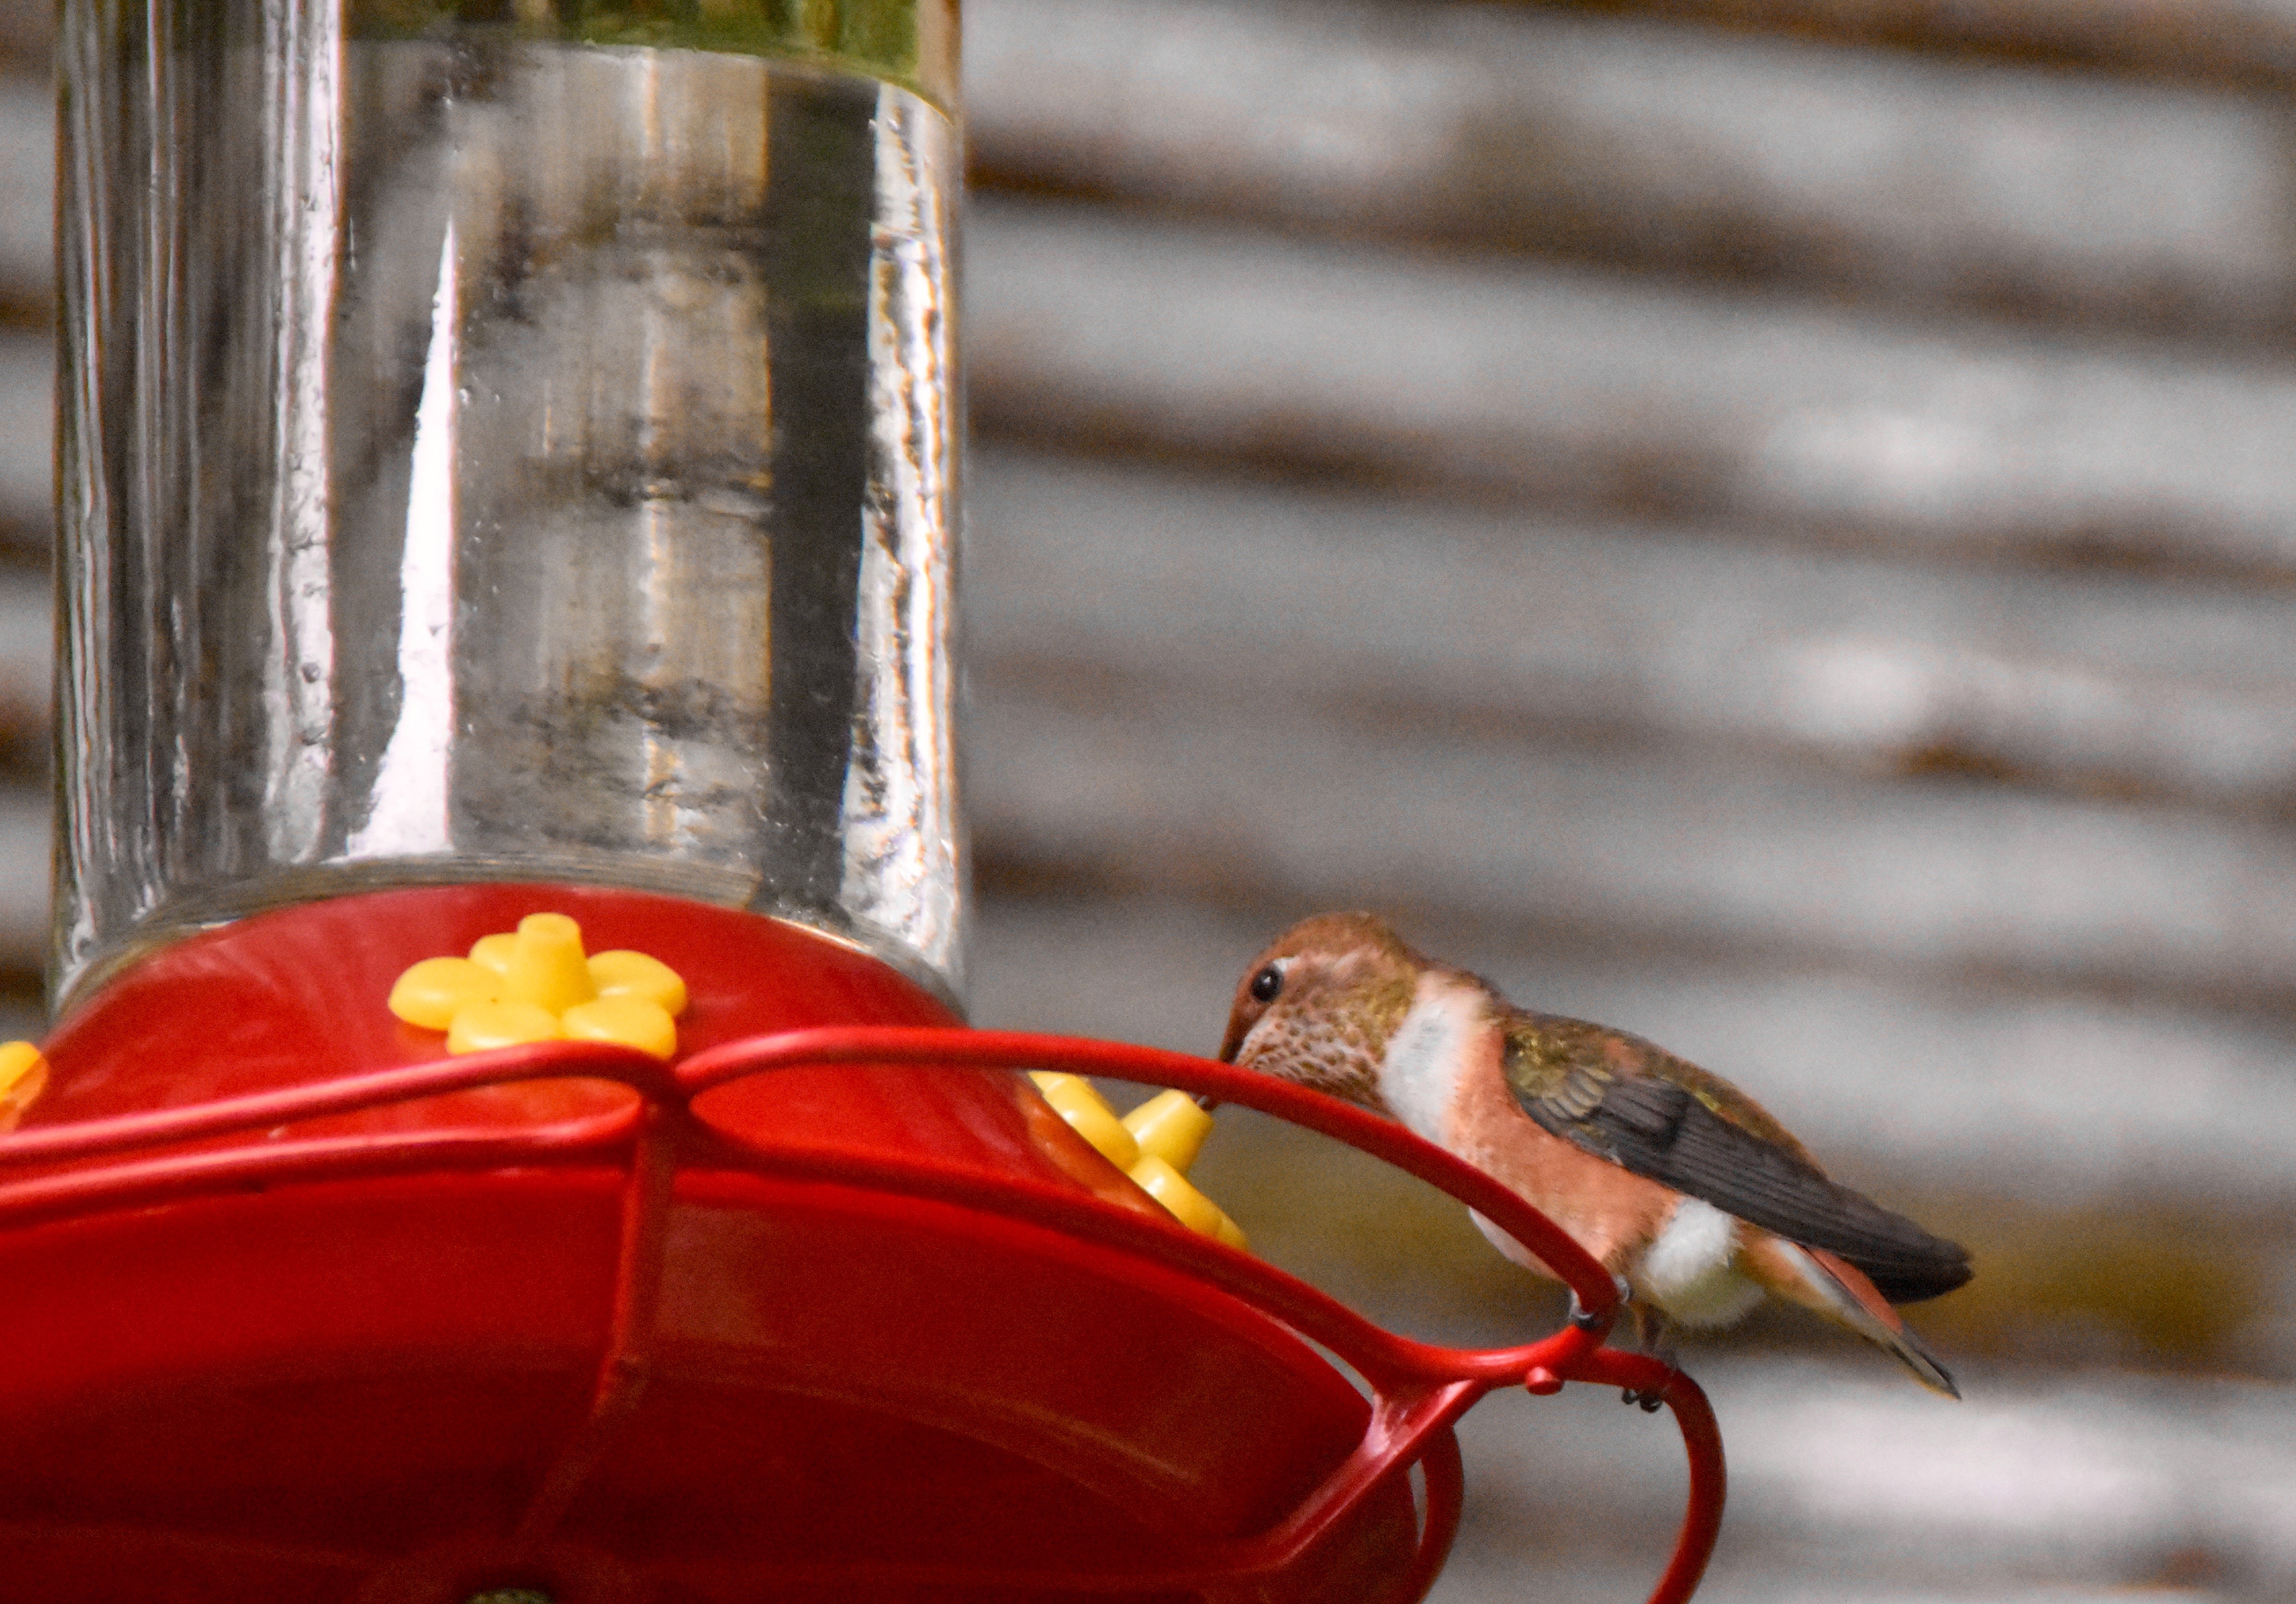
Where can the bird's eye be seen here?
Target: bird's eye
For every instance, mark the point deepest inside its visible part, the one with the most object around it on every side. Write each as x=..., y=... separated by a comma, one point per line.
x=1267, y=984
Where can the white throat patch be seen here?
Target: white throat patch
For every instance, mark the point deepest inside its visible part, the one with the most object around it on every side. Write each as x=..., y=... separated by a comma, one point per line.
x=1419, y=1076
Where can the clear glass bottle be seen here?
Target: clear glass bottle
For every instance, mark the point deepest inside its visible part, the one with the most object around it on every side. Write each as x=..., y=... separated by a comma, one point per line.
x=507, y=439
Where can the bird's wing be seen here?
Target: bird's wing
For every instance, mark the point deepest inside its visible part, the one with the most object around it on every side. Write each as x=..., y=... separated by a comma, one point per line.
x=1628, y=1101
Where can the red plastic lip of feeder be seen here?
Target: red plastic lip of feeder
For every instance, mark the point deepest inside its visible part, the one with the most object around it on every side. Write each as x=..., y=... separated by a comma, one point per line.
x=1421, y=1389
x=136, y=1160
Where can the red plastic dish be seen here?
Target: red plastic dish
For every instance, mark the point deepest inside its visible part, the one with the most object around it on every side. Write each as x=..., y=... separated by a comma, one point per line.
x=831, y=1306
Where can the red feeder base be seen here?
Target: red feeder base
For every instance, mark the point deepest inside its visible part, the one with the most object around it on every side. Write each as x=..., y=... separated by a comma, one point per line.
x=831, y=1306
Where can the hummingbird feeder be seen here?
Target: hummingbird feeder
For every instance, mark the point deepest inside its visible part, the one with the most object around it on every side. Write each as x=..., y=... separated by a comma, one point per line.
x=509, y=1132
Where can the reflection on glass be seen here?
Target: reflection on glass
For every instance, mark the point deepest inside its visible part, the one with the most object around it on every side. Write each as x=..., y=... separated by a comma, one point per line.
x=488, y=454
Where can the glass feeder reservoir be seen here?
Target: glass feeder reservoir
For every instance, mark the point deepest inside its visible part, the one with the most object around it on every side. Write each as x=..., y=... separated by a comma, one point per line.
x=508, y=442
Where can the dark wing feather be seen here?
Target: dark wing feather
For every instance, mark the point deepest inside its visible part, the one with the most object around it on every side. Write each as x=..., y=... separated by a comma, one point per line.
x=1656, y=1128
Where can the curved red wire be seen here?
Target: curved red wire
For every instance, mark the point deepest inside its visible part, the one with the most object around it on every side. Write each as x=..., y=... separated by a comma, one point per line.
x=1079, y=1055
x=1421, y=1389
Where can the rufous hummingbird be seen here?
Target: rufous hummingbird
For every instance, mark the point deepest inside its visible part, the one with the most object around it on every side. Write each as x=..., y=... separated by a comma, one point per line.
x=1677, y=1181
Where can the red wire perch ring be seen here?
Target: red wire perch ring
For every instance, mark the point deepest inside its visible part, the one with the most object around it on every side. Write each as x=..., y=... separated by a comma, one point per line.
x=1419, y=1389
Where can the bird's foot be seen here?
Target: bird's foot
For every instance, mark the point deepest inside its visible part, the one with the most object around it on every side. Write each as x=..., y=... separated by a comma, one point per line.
x=1652, y=1398
x=1654, y=1336
x=1586, y=1321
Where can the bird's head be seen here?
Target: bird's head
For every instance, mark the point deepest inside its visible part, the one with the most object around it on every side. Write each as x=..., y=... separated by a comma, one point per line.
x=1318, y=1005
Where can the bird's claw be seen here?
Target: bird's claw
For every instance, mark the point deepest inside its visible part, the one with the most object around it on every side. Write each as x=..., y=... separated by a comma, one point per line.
x=1650, y=1399
x=1587, y=1322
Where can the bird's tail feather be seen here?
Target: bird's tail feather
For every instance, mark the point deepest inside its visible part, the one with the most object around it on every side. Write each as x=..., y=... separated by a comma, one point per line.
x=1824, y=1283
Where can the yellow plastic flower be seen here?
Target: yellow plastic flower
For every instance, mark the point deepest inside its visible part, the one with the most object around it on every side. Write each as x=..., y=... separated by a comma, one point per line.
x=535, y=984
x=1154, y=1144
x=23, y=1076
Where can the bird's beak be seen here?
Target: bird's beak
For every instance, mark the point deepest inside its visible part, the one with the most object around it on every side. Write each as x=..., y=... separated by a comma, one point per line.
x=1228, y=1050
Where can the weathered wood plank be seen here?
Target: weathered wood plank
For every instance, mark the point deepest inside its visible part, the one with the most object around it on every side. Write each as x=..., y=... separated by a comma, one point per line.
x=26, y=448
x=1518, y=127
x=27, y=670
x=23, y=879
x=2247, y=42
x=28, y=194
x=1527, y=384
x=27, y=33
x=2096, y=680
x=1234, y=793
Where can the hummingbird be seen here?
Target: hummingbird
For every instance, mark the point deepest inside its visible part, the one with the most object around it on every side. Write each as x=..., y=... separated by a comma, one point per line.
x=1679, y=1184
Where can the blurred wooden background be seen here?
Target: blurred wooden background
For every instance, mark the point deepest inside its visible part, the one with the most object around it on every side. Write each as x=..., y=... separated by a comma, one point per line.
x=1768, y=523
